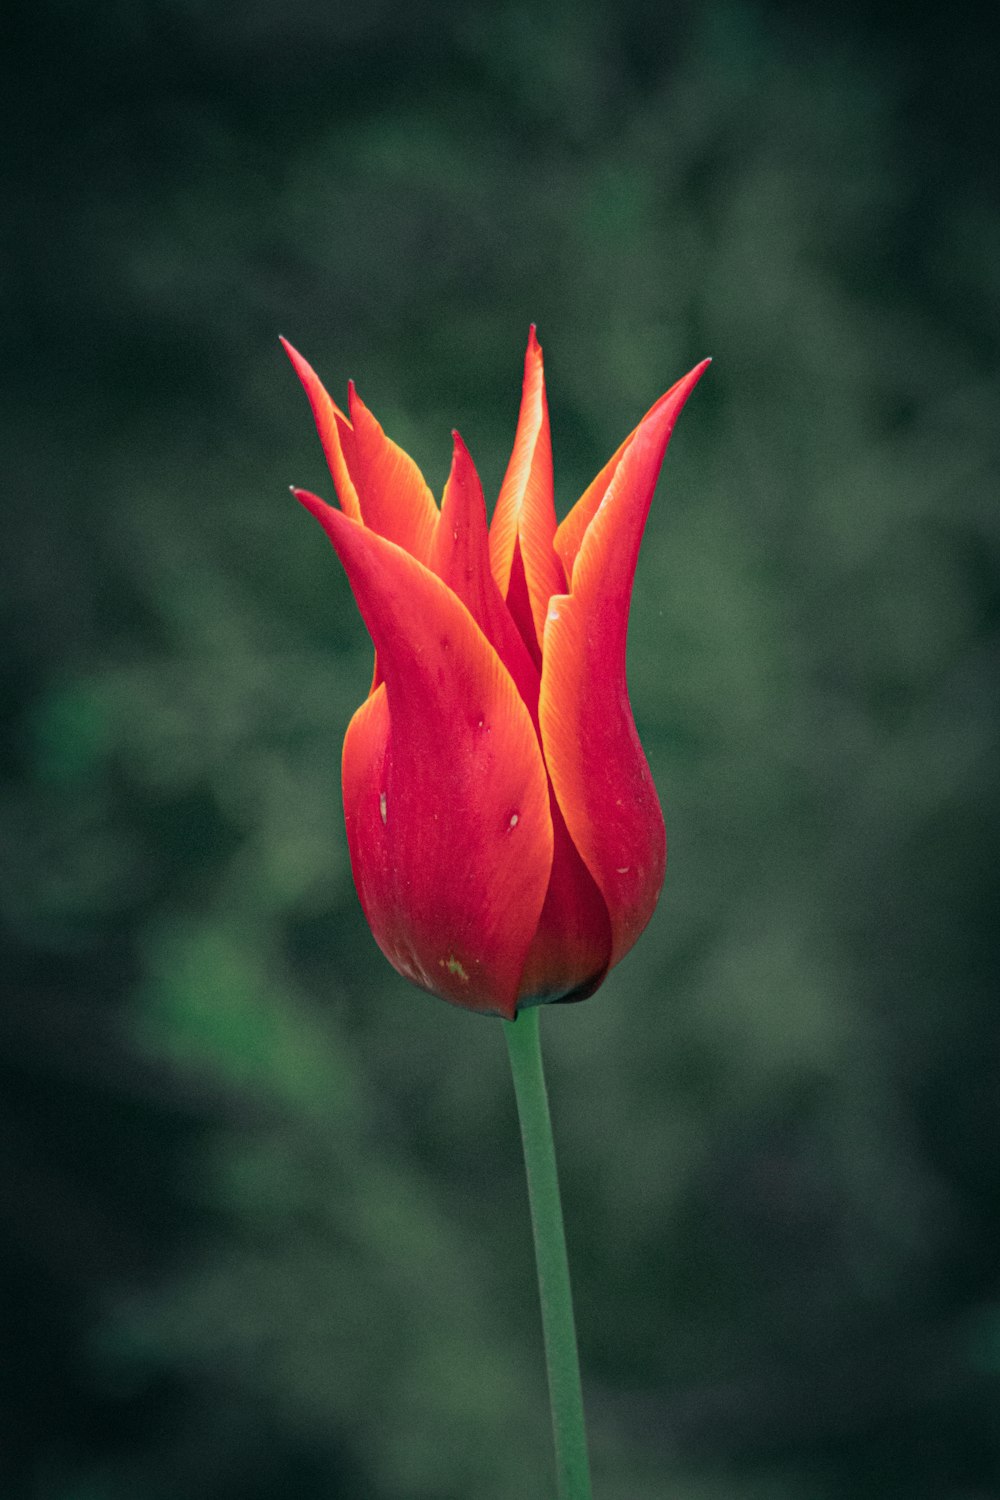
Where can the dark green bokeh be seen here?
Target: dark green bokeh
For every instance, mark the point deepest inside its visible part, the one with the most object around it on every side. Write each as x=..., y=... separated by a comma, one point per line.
x=263, y=1223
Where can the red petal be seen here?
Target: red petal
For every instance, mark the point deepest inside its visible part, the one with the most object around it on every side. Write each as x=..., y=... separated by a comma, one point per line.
x=571, y=951
x=395, y=500
x=447, y=810
x=570, y=532
x=334, y=431
x=592, y=750
x=460, y=557
x=525, y=518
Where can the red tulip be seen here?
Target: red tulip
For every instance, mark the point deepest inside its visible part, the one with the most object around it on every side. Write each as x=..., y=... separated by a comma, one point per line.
x=505, y=835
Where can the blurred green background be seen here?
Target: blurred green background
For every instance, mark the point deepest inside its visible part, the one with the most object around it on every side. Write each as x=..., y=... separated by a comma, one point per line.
x=263, y=1228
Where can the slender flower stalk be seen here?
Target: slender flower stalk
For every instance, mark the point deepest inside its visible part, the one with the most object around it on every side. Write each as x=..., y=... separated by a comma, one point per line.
x=555, y=1294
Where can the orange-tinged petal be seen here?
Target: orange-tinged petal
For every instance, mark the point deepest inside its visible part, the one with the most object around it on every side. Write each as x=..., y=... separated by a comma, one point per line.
x=570, y=532
x=334, y=431
x=449, y=822
x=524, y=521
x=595, y=761
x=460, y=557
x=393, y=494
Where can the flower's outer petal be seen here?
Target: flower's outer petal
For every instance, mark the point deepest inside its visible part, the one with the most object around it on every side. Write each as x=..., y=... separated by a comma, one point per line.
x=592, y=750
x=524, y=522
x=395, y=500
x=570, y=531
x=452, y=843
x=334, y=432
x=460, y=556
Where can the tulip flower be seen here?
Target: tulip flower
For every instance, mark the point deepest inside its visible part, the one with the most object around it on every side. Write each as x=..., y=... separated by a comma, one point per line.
x=505, y=835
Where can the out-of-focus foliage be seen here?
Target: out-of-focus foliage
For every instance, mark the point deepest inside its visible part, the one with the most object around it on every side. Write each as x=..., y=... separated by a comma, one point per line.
x=263, y=1223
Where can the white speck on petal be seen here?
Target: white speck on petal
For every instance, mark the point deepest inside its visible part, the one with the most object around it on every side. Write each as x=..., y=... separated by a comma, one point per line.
x=624, y=870
x=514, y=818
x=381, y=807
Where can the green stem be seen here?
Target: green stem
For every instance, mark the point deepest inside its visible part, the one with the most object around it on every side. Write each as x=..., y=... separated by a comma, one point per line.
x=565, y=1394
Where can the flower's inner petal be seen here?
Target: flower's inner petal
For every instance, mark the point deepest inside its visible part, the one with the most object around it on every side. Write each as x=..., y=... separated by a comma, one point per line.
x=460, y=557
x=525, y=517
x=596, y=763
x=394, y=498
x=334, y=432
x=519, y=607
x=570, y=532
x=571, y=950
x=450, y=824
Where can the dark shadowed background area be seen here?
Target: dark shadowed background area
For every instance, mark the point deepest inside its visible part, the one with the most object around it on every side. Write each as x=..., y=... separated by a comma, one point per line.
x=263, y=1229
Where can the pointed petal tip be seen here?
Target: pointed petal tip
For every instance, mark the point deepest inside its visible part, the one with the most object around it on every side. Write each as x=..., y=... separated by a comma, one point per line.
x=293, y=354
x=299, y=362
x=690, y=380
x=461, y=460
x=314, y=504
x=658, y=423
x=655, y=425
x=670, y=406
x=361, y=415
